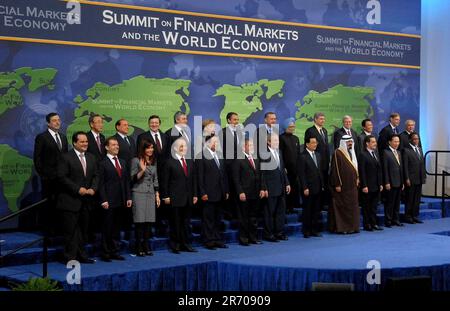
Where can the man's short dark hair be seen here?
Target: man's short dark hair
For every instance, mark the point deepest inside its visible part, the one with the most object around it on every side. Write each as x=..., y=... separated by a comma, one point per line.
x=394, y=115
x=318, y=115
x=363, y=123
x=393, y=136
x=268, y=113
x=230, y=114
x=154, y=116
x=92, y=117
x=111, y=138
x=49, y=116
x=368, y=138
x=75, y=136
x=118, y=122
x=411, y=135
x=308, y=139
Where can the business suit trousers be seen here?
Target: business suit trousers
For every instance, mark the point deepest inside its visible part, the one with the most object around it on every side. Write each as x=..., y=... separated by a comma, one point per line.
x=74, y=224
x=274, y=214
x=111, y=230
x=47, y=215
x=248, y=220
x=211, y=222
x=412, y=196
x=312, y=206
x=293, y=198
x=179, y=226
x=369, y=203
x=392, y=205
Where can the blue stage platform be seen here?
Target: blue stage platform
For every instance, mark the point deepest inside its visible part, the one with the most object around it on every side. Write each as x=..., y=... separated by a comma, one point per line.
x=412, y=250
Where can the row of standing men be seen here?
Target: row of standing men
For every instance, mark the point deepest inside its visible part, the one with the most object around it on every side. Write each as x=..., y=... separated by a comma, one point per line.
x=119, y=173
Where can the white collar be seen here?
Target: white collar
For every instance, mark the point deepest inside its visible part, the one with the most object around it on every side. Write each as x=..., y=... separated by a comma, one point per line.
x=370, y=151
x=318, y=127
x=95, y=133
x=310, y=151
x=121, y=135
x=52, y=132
x=179, y=128
x=367, y=133
x=414, y=147
x=78, y=153
x=393, y=127
x=248, y=155
x=213, y=153
x=111, y=157
x=392, y=149
x=179, y=157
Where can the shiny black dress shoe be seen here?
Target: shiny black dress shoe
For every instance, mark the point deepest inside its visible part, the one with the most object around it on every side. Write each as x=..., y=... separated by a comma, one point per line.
x=255, y=242
x=173, y=250
x=377, y=228
x=221, y=245
x=306, y=235
x=417, y=221
x=316, y=234
x=409, y=221
x=388, y=225
x=188, y=248
x=368, y=228
x=271, y=239
x=397, y=223
x=282, y=237
x=244, y=243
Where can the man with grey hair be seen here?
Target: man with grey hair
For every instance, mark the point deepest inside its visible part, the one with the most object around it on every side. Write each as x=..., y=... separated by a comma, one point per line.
x=410, y=127
x=180, y=129
x=346, y=129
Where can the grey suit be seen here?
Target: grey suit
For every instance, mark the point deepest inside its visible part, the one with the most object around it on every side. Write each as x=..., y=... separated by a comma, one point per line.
x=143, y=192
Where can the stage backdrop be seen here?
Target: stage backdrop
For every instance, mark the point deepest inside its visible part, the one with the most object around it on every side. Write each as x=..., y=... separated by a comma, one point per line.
x=120, y=59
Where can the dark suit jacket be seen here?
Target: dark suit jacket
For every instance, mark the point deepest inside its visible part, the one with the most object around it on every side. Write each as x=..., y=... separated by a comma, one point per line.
x=212, y=181
x=290, y=150
x=311, y=176
x=323, y=147
x=164, y=139
x=126, y=151
x=361, y=138
x=262, y=152
x=337, y=135
x=383, y=138
x=227, y=134
x=404, y=140
x=370, y=171
x=414, y=167
x=114, y=189
x=392, y=171
x=47, y=155
x=246, y=179
x=180, y=189
x=276, y=179
x=92, y=147
x=71, y=178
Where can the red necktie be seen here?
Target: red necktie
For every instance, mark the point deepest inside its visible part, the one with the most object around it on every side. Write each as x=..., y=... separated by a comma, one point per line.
x=118, y=168
x=184, y=166
x=250, y=159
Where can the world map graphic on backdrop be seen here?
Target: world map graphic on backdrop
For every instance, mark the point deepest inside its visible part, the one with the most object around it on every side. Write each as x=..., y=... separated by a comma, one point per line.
x=36, y=79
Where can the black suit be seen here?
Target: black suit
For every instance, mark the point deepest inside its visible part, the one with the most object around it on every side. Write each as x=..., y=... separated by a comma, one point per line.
x=213, y=182
x=115, y=190
x=323, y=148
x=404, y=140
x=311, y=178
x=235, y=142
x=383, y=138
x=290, y=150
x=337, y=135
x=127, y=151
x=93, y=147
x=248, y=180
x=260, y=138
x=181, y=190
x=370, y=176
x=161, y=156
x=414, y=171
x=75, y=208
x=275, y=210
x=173, y=134
x=393, y=175
x=46, y=157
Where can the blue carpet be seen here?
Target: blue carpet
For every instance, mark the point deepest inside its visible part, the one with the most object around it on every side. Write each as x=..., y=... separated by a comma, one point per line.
x=421, y=249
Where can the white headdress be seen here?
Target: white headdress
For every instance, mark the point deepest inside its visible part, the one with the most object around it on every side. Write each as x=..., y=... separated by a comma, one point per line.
x=345, y=151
